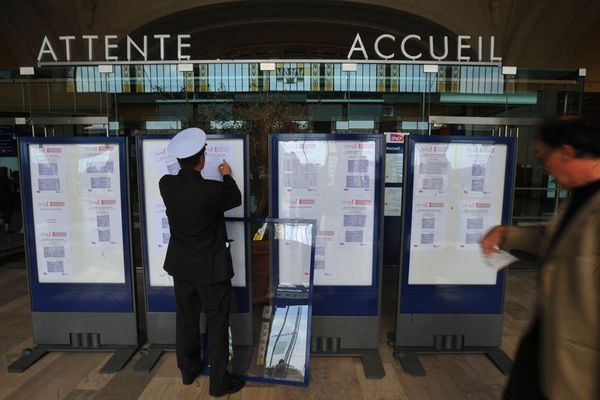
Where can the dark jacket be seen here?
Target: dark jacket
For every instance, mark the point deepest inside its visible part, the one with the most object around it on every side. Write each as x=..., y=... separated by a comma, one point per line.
x=197, y=249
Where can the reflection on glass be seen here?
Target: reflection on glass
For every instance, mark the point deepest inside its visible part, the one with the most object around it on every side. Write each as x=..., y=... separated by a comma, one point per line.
x=286, y=348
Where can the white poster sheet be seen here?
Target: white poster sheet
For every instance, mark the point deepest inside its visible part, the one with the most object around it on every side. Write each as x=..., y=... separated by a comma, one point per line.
x=76, y=196
x=157, y=163
x=458, y=193
x=332, y=182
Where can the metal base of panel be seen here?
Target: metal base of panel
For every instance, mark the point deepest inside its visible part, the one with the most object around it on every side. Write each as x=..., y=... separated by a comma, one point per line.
x=447, y=334
x=160, y=328
x=348, y=337
x=118, y=360
x=116, y=363
x=371, y=361
x=85, y=330
x=150, y=356
x=500, y=359
x=448, y=331
x=410, y=363
x=409, y=357
x=95, y=332
x=27, y=359
x=332, y=333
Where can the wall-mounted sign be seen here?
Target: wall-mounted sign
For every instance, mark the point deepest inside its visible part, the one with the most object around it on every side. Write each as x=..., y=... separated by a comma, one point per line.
x=438, y=48
x=135, y=49
x=385, y=47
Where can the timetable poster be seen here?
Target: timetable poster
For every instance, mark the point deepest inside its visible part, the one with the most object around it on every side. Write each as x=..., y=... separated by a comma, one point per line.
x=332, y=182
x=76, y=195
x=457, y=197
x=157, y=162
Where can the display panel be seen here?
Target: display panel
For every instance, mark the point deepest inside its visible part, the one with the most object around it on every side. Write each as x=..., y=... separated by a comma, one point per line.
x=333, y=182
x=457, y=196
x=156, y=163
x=77, y=212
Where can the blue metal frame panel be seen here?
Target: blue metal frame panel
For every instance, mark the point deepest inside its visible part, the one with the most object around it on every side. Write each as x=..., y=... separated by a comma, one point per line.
x=76, y=297
x=451, y=299
x=162, y=299
x=342, y=300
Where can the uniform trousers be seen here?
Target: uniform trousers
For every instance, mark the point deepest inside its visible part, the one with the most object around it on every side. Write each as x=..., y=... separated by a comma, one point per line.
x=214, y=299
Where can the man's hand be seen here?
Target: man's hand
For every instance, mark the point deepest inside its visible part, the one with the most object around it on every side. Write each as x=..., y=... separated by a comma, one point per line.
x=492, y=240
x=224, y=168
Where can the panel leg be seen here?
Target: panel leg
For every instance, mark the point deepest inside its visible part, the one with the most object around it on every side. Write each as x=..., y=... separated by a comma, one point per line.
x=372, y=364
x=118, y=360
x=410, y=363
x=148, y=360
x=500, y=360
x=28, y=358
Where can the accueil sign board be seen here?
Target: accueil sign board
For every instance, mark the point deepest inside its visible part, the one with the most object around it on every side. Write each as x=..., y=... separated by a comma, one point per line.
x=137, y=49
x=463, y=43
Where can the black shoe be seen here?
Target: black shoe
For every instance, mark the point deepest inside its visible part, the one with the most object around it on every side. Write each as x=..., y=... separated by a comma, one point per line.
x=189, y=377
x=234, y=386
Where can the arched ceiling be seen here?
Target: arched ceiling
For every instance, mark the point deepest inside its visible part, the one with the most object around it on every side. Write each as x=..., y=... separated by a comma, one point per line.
x=306, y=29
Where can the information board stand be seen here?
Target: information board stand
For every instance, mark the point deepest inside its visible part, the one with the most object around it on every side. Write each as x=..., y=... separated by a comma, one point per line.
x=78, y=251
x=154, y=162
x=338, y=181
x=449, y=298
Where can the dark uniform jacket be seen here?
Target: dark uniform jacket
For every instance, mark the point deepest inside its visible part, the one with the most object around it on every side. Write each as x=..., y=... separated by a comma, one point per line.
x=197, y=249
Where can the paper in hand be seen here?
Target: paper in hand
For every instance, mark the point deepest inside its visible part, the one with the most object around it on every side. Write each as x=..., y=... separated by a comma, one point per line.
x=499, y=260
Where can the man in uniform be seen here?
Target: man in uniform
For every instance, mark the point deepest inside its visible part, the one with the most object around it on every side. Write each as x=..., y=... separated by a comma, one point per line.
x=199, y=260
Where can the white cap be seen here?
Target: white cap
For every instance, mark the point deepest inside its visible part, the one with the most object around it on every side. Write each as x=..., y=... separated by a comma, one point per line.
x=187, y=143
